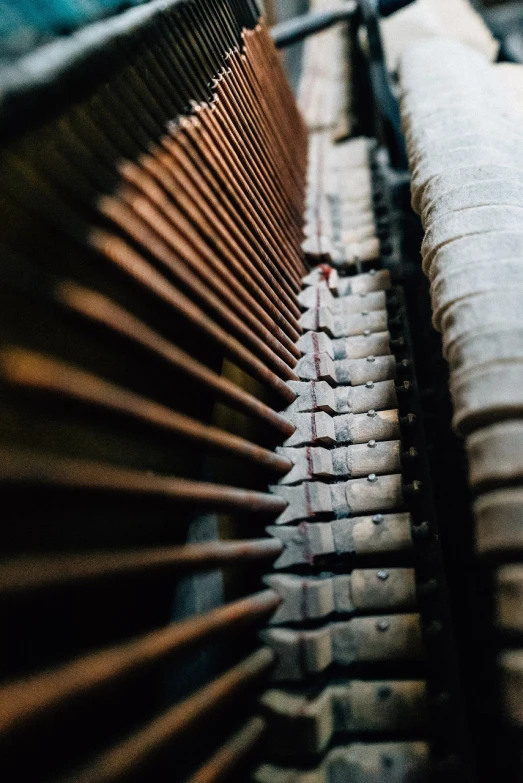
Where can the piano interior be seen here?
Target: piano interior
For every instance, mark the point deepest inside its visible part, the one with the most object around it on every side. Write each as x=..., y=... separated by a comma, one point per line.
x=261, y=379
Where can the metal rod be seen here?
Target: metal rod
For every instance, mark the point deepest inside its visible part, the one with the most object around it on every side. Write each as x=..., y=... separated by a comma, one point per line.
x=191, y=220
x=225, y=161
x=179, y=161
x=94, y=306
x=261, y=155
x=33, y=698
x=93, y=51
x=147, y=197
x=25, y=368
x=221, y=122
x=25, y=573
x=119, y=252
x=232, y=286
x=138, y=749
x=252, y=78
x=20, y=467
x=300, y=27
x=227, y=758
x=199, y=142
x=278, y=118
x=174, y=179
x=123, y=255
x=182, y=263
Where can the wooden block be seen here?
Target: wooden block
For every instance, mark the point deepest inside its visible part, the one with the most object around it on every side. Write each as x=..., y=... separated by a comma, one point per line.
x=380, y=533
x=320, y=396
x=322, y=319
x=313, y=499
x=302, y=652
x=361, y=762
x=344, y=462
x=322, y=429
x=365, y=589
x=300, y=725
x=350, y=372
x=358, y=347
x=342, y=305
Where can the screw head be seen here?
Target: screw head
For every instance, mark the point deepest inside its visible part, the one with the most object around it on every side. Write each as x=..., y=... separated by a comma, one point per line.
x=382, y=625
x=371, y=359
x=383, y=575
x=369, y=385
x=366, y=333
x=378, y=519
x=364, y=312
x=372, y=271
x=372, y=477
x=416, y=486
x=371, y=444
x=371, y=413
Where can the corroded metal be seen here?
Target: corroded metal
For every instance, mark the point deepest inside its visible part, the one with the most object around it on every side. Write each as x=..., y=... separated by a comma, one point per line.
x=29, y=699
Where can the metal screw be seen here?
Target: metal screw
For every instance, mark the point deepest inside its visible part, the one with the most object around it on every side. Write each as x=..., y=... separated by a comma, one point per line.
x=369, y=385
x=371, y=444
x=371, y=413
x=371, y=359
x=378, y=519
x=366, y=333
x=372, y=477
x=409, y=420
x=364, y=312
x=382, y=625
x=383, y=575
x=404, y=387
x=414, y=488
x=372, y=271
